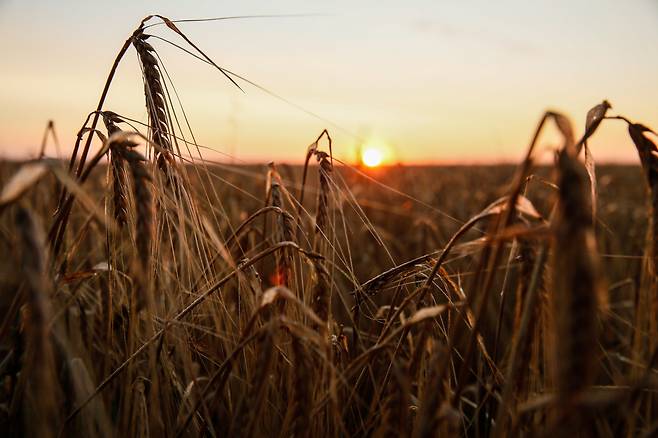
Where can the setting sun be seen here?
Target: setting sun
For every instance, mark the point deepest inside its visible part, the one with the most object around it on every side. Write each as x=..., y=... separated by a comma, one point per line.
x=372, y=157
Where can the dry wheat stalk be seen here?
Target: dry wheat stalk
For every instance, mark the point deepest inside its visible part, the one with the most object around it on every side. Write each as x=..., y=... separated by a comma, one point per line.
x=433, y=397
x=250, y=408
x=39, y=405
x=395, y=416
x=155, y=99
x=274, y=193
x=323, y=195
x=302, y=389
x=577, y=286
x=321, y=297
x=143, y=198
x=647, y=309
x=119, y=200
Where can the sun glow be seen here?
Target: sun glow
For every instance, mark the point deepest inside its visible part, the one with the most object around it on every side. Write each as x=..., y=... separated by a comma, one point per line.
x=372, y=157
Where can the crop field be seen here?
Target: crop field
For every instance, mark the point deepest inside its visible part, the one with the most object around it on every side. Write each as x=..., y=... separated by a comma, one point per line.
x=148, y=291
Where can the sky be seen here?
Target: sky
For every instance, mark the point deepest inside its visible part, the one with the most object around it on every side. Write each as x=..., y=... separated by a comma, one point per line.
x=426, y=81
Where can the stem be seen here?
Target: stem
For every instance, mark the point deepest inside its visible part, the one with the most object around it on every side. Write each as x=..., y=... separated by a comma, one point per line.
x=58, y=227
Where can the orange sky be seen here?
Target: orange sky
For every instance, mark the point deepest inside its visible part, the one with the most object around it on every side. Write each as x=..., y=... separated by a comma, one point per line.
x=432, y=82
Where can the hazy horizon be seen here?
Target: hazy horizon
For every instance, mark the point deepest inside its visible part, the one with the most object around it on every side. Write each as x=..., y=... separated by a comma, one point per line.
x=427, y=83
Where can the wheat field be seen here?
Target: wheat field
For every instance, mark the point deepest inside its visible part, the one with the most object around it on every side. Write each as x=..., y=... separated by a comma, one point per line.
x=149, y=291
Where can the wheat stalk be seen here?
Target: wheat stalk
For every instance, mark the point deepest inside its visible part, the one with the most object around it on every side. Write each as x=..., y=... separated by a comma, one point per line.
x=577, y=287
x=155, y=99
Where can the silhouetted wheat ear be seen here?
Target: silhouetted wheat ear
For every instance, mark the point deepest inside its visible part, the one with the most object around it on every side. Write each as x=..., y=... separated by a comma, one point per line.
x=144, y=200
x=325, y=171
x=144, y=225
x=284, y=221
x=119, y=201
x=648, y=153
x=577, y=284
x=144, y=214
x=155, y=100
x=321, y=298
x=118, y=190
x=648, y=302
x=284, y=224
